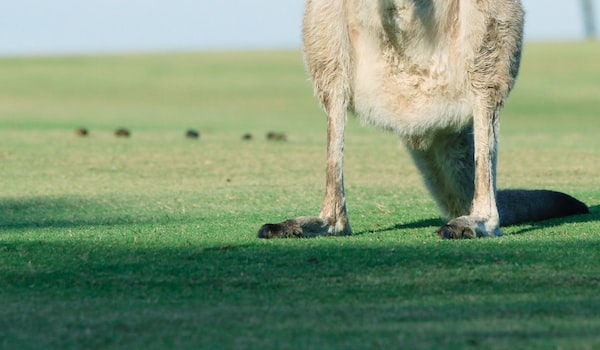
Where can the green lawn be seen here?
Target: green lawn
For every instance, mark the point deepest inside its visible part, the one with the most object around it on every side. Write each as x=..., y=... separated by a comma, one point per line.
x=149, y=242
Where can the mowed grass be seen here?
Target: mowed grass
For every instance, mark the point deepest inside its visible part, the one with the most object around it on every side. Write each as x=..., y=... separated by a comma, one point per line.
x=149, y=242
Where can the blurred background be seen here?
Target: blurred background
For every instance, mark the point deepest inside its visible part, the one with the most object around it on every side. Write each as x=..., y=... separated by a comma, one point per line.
x=41, y=27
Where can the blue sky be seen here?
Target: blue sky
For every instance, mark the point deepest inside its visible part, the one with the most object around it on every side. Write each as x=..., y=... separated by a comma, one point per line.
x=37, y=27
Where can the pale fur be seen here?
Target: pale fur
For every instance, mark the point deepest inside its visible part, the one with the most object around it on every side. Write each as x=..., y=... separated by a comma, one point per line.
x=436, y=73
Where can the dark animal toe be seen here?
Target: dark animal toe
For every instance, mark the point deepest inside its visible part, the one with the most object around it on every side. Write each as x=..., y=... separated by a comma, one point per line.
x=453, y=231
x=285, y=229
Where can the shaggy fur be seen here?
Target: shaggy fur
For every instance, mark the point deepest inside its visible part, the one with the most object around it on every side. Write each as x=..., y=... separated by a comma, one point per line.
x=436, y=73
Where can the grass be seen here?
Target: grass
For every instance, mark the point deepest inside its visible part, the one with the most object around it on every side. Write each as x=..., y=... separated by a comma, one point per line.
x=149, y=242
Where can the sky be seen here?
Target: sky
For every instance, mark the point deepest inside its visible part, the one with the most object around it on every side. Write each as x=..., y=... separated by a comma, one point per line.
x=42, y=27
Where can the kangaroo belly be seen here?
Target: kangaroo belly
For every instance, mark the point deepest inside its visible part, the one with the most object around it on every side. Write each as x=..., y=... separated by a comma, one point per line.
x=406, y=77
x=410, y=101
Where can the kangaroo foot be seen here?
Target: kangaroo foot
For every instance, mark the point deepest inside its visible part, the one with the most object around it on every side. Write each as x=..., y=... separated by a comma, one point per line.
x=301, y=227
x=466, y=227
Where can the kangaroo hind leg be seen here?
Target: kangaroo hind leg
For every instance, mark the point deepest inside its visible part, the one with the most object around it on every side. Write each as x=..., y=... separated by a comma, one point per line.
x=327, y=55
x=333, y=219
x=491, y=76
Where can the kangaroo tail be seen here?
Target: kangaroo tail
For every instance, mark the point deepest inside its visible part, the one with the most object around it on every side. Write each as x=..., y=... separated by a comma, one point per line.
x=517, y=206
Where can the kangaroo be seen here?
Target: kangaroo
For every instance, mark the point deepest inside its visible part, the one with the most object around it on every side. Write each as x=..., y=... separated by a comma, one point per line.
x=436, y=73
